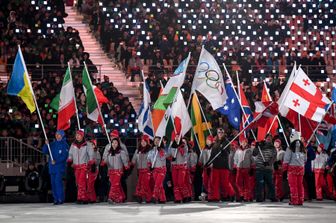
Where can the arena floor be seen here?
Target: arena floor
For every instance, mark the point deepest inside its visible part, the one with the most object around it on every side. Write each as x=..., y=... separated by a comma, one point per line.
x=321, y=212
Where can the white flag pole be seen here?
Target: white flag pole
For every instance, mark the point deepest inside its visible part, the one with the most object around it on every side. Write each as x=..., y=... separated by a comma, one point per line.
x=98, y=106
x=78, y=123
x=37, y=108
x=276, y=117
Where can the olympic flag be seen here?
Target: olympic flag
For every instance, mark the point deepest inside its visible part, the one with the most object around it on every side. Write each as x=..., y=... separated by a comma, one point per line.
x=208, y=80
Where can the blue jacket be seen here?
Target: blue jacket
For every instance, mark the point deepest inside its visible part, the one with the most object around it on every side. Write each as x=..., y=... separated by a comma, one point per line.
x=59, y=150
x=310, y=157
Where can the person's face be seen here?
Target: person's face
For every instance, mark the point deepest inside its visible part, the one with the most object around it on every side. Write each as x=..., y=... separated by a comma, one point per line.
x=268, y=139
x=58, y=137
x=156, y=141
x=115, y=144
x=220, y=134
x=244, y=143
x=253, y=146
x=319, y=149
x=276, y=144
x=208, y=142
x=143, y=143
x=79, y=137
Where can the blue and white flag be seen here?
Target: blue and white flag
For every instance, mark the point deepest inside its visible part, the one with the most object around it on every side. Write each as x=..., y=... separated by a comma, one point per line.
x=231, y=108
x=145, y=123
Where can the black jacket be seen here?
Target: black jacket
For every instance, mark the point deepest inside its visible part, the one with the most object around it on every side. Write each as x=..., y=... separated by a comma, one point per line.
x=222, y=161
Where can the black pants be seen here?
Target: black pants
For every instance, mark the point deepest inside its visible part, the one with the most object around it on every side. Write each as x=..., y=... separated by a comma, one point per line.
x=264, y=176
x=309, y=179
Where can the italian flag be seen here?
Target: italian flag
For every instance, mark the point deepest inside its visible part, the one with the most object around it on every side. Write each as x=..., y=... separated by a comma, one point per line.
x=92, y=109
x=66, y=102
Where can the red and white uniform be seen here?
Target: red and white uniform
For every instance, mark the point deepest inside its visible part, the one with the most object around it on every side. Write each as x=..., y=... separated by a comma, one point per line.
x=191, y=169
x=82, y=156
x=179, y=171
x=203, y=159
x=243, y=162
x=92, y=176
x=278, y=174
x=157, y=159
x=140, y=159
x=116, y=161
x=318, y=167
x=294, y=163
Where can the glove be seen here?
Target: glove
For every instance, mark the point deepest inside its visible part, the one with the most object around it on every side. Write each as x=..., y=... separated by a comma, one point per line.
x=326, y=172
x=69, y=165
x=234, y=170
x=174, y=159
x=93, y=168
x=208, y=171
x=266, y=164
x=276, y=165
x=151, y=168
x=284, y=176
x=251, y=172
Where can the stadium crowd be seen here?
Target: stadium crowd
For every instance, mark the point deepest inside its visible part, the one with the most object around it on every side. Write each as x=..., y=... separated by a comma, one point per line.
x=47, y=47
x=254, y=38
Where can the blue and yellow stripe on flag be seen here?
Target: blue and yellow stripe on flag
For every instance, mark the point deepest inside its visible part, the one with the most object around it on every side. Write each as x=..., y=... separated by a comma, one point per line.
x=18, y=85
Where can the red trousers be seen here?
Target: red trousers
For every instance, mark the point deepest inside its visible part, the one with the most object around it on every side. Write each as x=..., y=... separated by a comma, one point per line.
x=143, y=189
x=232, y=181
x=159, y=175
x=330, y=185
x=278, y=178
x=243, y=183
x=116, y=193
x=190, y=182
x=81, y=181
x=220, y=182
x=91, y=186
x=295, y=181
x=319, y=183
x=180, y=187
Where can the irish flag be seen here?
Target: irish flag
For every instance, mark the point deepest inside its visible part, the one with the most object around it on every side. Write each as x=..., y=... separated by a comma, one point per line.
x=92, y=109
x=67, y=106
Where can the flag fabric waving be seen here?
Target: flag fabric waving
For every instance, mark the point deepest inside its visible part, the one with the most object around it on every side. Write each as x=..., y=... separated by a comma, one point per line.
x=174, y=83
x=18, y=84
x=271, y=124
x=145, y=124
x=200, y=127
x=305, y=98
x=92, y=109
x=247, y=116
x=231, y=108
x=208, y=80
x=180, y=116
x=67, y=107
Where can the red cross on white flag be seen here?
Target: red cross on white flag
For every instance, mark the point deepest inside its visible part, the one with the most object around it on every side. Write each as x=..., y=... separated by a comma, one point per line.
x=305, y=98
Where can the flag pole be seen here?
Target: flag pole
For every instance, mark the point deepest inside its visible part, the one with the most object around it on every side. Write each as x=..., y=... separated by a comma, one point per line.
x=277, y=117
x=236, y=94
x=78, y=123
x=203, y=114
x=286, y=93
x=235, y=137
x=98, y=106
x=318, y=125
x=192, y=90
x=37, y=108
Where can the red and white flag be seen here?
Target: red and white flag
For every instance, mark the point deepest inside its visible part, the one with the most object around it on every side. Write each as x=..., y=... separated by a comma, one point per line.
x=271, y=125
x=305, y=98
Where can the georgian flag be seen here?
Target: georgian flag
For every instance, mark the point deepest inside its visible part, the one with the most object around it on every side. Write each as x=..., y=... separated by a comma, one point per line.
x=305, y=98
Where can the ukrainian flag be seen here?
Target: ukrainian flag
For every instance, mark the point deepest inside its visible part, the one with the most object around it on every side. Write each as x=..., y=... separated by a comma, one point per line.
x=18, y=85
